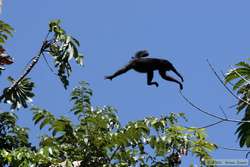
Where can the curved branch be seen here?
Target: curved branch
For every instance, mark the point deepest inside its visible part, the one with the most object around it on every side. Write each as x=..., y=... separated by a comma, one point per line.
x=233, y=149
x=210, y=114
x=210, y=125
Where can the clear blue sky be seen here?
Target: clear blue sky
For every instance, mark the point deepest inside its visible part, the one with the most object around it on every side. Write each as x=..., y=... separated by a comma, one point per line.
x=184, y=32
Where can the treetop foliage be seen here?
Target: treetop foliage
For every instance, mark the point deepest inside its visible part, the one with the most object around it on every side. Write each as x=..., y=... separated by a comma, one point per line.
x=97, y=138
x=58, y=45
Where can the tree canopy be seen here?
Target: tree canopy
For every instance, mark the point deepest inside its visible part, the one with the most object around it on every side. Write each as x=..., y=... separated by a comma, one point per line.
x=97, y=138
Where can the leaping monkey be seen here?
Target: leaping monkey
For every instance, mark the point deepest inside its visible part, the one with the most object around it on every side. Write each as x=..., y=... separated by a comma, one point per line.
x=141, y=63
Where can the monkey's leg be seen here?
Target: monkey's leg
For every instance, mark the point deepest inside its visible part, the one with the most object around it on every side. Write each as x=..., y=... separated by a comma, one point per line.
x=177, y=73
x=168, y=78
x=150, y=76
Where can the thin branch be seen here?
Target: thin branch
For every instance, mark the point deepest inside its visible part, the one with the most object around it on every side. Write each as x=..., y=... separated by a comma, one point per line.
x=233, y=149
x=232, y=106
x=112, y=156
x=32, y=64
x=46, y=61
x=223, y=111
x=210, y=125
x=210, y=114
x=229, y=90
x=206, y=126
x=198, y=108
x=247, y=154
x=236, y=149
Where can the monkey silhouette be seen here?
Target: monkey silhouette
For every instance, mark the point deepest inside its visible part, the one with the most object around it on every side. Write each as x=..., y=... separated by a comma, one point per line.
x=142, y=64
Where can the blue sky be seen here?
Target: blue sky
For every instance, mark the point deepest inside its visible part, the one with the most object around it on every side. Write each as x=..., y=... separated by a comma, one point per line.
x=184, y=32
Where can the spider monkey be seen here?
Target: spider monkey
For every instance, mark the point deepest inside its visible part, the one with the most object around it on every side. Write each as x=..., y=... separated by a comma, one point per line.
x=148, y=65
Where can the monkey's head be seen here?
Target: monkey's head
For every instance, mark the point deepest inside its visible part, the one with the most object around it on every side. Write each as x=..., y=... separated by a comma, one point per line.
x=140, y=54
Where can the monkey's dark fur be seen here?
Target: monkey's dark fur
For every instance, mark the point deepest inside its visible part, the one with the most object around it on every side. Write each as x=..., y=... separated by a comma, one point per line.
x=148, y=65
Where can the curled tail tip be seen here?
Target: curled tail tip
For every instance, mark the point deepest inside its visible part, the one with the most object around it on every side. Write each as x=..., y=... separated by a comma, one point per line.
x=181, y=87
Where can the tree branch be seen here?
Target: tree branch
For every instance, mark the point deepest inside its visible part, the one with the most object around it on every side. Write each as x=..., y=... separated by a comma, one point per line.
x=46, y=61
x=210, y=114
x=32, y=64
x=233, y=149
x=112, y=156
x=210, y=125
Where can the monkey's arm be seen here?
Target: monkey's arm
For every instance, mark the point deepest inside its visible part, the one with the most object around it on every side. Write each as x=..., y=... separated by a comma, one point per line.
x=120, y=71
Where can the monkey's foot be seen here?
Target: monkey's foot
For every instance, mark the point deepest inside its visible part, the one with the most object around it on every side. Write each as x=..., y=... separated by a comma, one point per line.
x=154, y=83
x=181, y=86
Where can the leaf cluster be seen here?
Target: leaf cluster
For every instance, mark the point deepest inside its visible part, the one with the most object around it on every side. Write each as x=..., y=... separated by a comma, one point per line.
x=20, y=94
x=241, y=76
x=63, y=48
x=58, y=44
x=98, y=139
x=5, y=31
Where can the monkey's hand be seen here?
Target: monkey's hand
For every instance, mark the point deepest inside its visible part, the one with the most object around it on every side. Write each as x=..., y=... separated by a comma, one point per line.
x=108, y=77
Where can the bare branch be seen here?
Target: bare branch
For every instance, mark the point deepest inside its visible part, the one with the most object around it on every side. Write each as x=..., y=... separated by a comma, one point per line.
x=233, y=149
x=206, y=126
x=210, y=114
x=210, y=125
x=46, y=61
x=112, y=156
x=223, y=111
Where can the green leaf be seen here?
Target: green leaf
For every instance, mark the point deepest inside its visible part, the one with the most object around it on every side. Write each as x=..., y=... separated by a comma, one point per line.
x=63, y=48
x=81, y=97
x=5, y=31
x=19, y=95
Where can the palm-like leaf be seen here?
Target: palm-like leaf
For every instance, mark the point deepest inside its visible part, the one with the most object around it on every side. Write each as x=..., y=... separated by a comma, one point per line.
x=5, y=31
x=19, y=95
x=241, y=76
